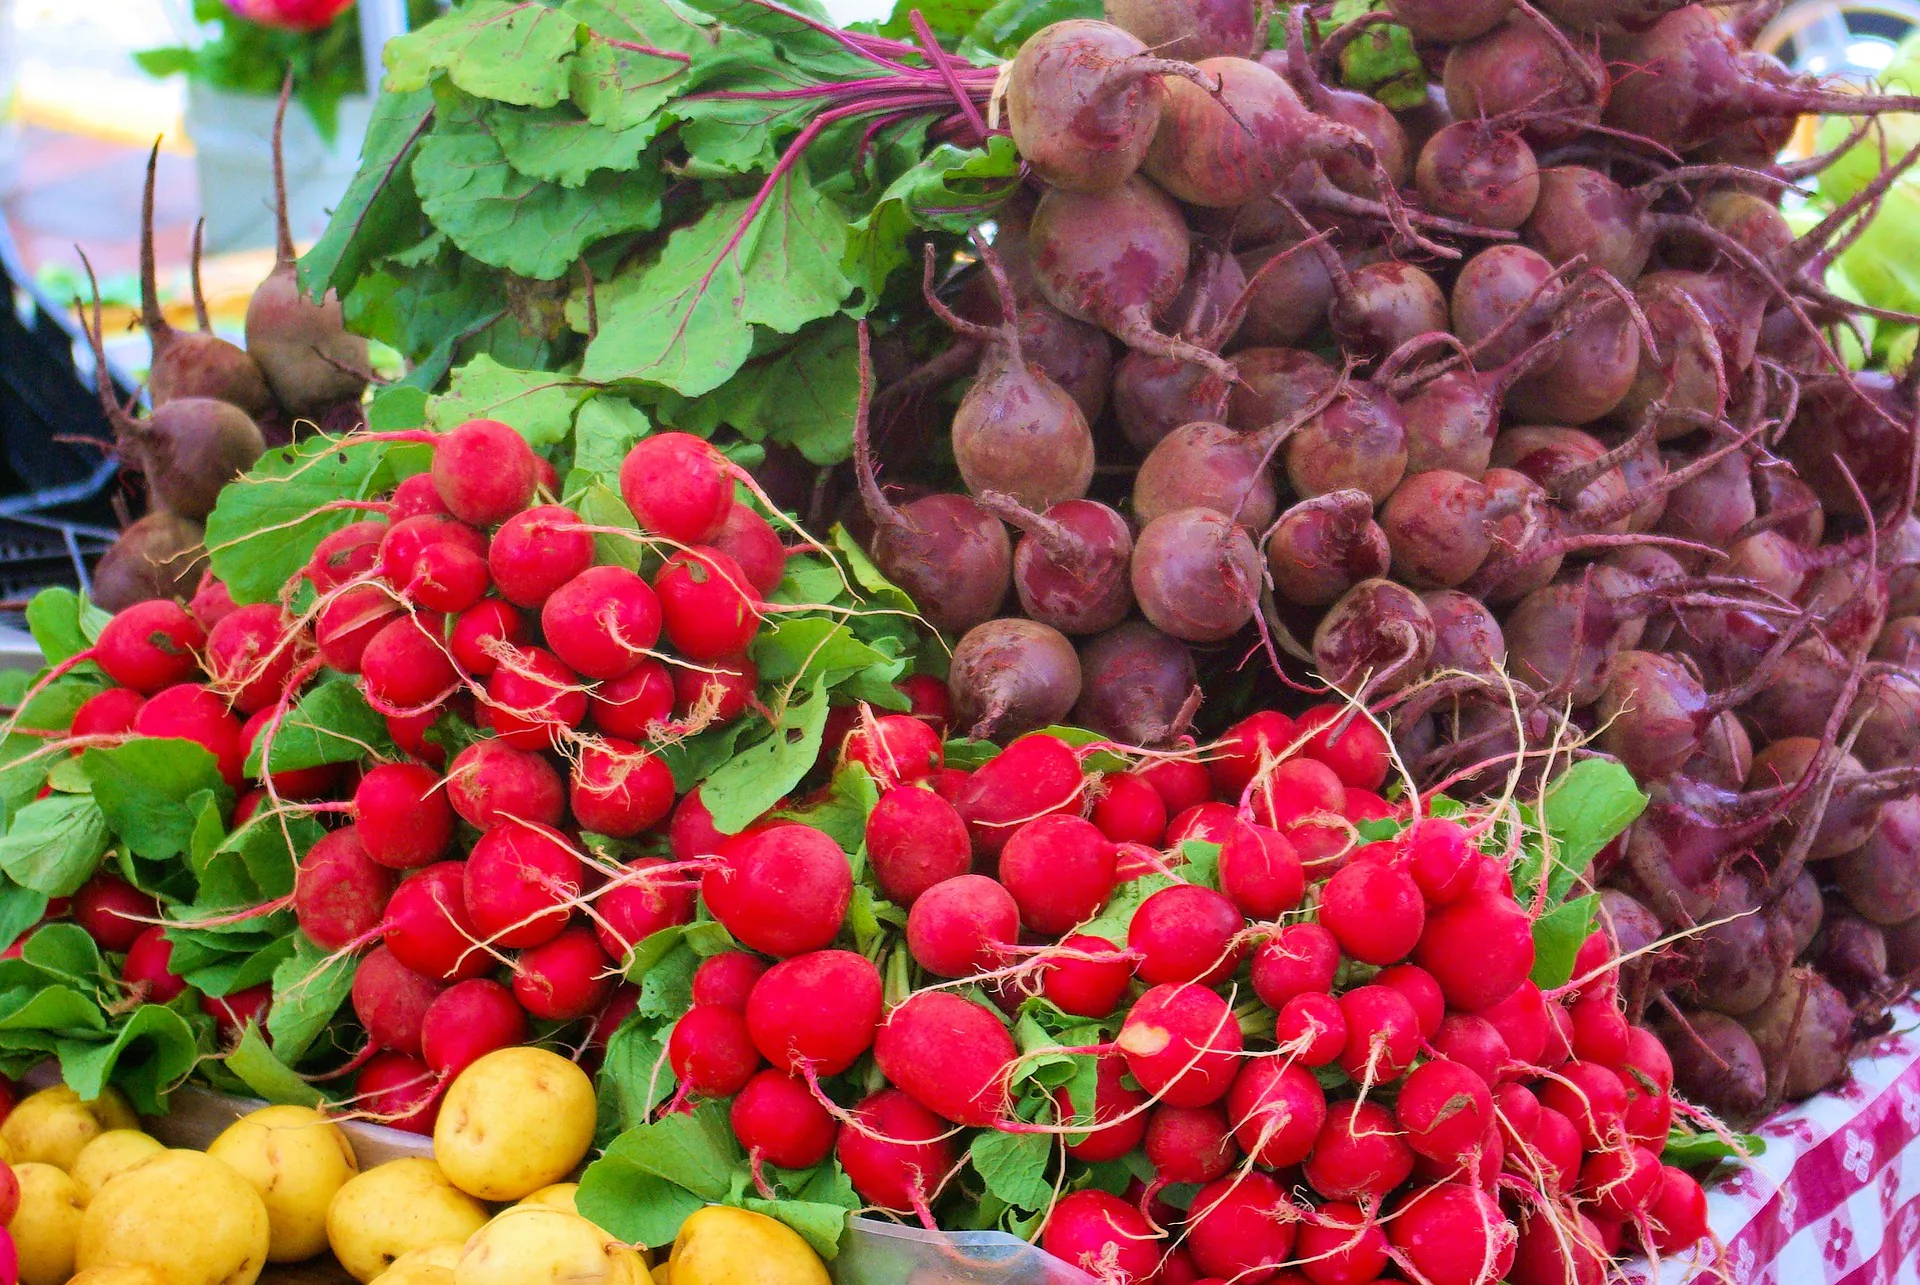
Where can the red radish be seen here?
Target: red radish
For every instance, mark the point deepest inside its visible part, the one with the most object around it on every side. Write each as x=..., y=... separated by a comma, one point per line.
x=1033, y=777
x=536, y=551
x=1314, y=1023
x=1678, y=1211
x=1343, y=1245
x=107, y=713
x=929, y=700
x=484, y=632
x=1421, y=991
x=1551, y=1252
x=194, y=713
x=601, y=621
x=1555, y=1148
x=391, y=1001
x=414, y=497
x=491, y=782
x=1115, y=1136
x=1207, y=822
x=1444, y=1109
x=727, y=979
x=1359, y=1155
x=952, y=1056
x=339, y=892
x=895, y=1152
x=404, y=548
x=1375, y=911
x=1383, y=1034
x=533, y=700
x=1646, y=1072
x=1479, y=948
x=468, y=1020
x=691, y=833
x=1060, y=870
x=816, y=1012
x=898, y=749
x=563, y=979
x=348, y=553
x=677, y=486
x=1522, y=1021
x=1189, y=1144
x=1295, y=791
x=962, y=926
x=1087, y=987
x=632, y=705
x=518, y=884
x=1242, y=750
x=915, y=840
x=710, y=608
x=1298, y=959
x=406, y=668
x=783, y=891
x=751, y=541
x=402, y=816
x=1453, y=1234
x=427, y=926
x=349, y=621
x=619, y=789
x=111, y=910
x=1130, y=810
x=1357, y=752
x=231, y=1013
x=1474, y=1043
x=716, y=692
x=1181, y=783
x=399, y=1091
x=484, y=471
x=1182, y=1044
x=711, y=1052
x=1518, y=1113
x=1592, y=1098
x=1620, y=1182
x=147, y=971
x=1277, y=1109
x=1241, y=1227
x=1260, y=873
x=1101, y=1233
x=1600, y=1030
x=1186, y=933
x=289, y=783
x=779, y=1122
x=1441, y=859
x=149, y=646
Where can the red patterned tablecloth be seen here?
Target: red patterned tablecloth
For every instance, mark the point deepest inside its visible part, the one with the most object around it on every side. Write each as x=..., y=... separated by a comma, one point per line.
x=1835, y=1198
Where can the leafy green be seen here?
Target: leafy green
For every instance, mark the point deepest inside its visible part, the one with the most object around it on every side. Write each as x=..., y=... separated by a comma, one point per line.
x=539, y=405
x=1556, y=940
x=512, y=51
x=756, y=778
x=330, y=723
x=150, y=790
x=52, y=846
x=1688, y=1150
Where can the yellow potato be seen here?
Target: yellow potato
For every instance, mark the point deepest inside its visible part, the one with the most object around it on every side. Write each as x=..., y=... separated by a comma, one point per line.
x=296, y=1159
x=513, y=1122
x=558, y=1196
x=51, y=1126
x=47, y=1225
x=662, y=1274
x=119, y=1274
x=540, y=1245
x=395, y=1207
x=721, y=1245
x=183, y=1213
x=111, y=1153
x=6, y=1153
x=430, y=1265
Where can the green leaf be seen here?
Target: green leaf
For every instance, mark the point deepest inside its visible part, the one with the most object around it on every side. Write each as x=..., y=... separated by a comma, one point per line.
x=1014, y=1167
x=1685, y=1150
x=54, y=619
x=498, y=49
x=655, y=1175
x=65, y=950
x=502, y=217
x=54, y=845
x=331, y=723
x=1005, y=27
x=267, y=1075
x=842, y=815
x=949, y=20
x=952, y=190
x=820, y=1225
x=1592, y=803
x=559, y=145
x=604, y=430
x=667, y=988
x=539, y=405
x=146, y=789
x=809, y=650
x=20, y=909
x=634, y=1077
x=146, y=1058
x=267, y=523
x=600, y=505
x=1381, y=61
x=379, y=207
x=636, y=56
x=1556, y=940
x=254, y=864
x=805, y=396
x=230, y=971
x=308, y=988
x=759, y=776
x=685, y=319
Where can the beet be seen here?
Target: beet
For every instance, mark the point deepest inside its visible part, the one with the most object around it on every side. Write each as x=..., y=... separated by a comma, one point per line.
x=1008, y=677
x=1322, y=547
x=1466, y=637
x=1889, y=736
x=1276, y=385
x=160, y=556
x=1363, y=114
x=1288, y=295
x=1188, y=29
x=1207, y=466
x=1525, y=65
x=1479, y=171
x=1740, y=963
x=1378, y=638
x=1083, y=100
x=1439, y=525
x=1070, y=568
x=1860, y=421
x=1358, y=441
x=1138, y=686
x=1717, y=1064
x=1881, y=878
x=1652, y=713
x=1589, y=368
x=1580, y=211
x=1448, y=22
x=1196, y=575
x=1804, y=1034
x=1851, y=953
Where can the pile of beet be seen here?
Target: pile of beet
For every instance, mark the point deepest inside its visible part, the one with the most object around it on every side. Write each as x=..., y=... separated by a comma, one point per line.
x=1517, y=417
x=215, y=407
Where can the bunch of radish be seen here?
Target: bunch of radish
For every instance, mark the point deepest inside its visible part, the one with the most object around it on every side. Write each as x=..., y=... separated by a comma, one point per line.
x=215, y=407
x=1518, y=417
x=1321, y=1062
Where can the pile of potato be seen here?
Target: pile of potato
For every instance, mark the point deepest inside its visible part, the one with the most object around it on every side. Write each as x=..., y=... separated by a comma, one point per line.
x=88, y=1198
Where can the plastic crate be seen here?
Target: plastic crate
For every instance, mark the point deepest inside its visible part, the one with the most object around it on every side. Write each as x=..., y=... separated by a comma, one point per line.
x=56, y=515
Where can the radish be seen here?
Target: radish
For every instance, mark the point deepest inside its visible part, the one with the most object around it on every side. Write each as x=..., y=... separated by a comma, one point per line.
x=783, y=891
x=632, y=705
x=191, y=712
x=711, y=1053
x=1677, y=1211
x=1593, y=1098
x=751, y=541
x=1260, y=873
x=1241, y=1228
x=563, y=979
x=1314, y=1024
x=1118, y=1111
x=415, y=496
x=402, y=817
x=1091, y=984
x=1359, y=1155
x=107, y=713
x=147, y=972
x=1479, y=948
x=915, y=840
x=1620, y=1182
x=1474, y=1043
x=951, y=1056
x=780, y=1123
x=490, y=783
x=1343, y=1245
x=1181, y=1043
x=1556, y=1250
x=427, y=926
x=640, y=905
x=348, y=624
x=1444, y=1109
x=1189, y=1144
x=1185, y=934
x=417, y=552
x=339, y=892
x=1375, y=911
x=468, y=1020
x=399, y=1091
x=484, y=472
x=112, y=910
x=815, y=1014
x=1421, y=991
x=297, y=783
x=147, y=647
x=963, y=926
x=896, y=1153
x=518, y=883
x=1060, y=872
x=708, y=606
x=233, y=1012
x=405, y=668
x=536, y=551
x=620, y=790
x=1103, y=1234
x=1277, y=1109
x=1033, y=777
x=346, y=554
x=1383, y=1034
x=727, y=979
x=391, y=1001
x=895, y=749
x=677, y=486
x=1453, y=1234
x=1298, y=959
x=602, y=621
x=1129, y=810
x=715, y=693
